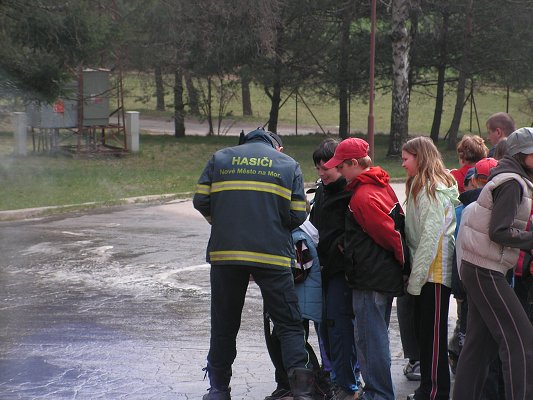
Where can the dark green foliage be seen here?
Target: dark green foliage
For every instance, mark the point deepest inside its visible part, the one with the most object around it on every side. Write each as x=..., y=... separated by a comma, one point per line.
x=44, y=41
x=283, y=45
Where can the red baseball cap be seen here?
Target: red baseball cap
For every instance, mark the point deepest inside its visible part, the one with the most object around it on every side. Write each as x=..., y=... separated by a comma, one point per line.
x=346, y=150
x=484, y=166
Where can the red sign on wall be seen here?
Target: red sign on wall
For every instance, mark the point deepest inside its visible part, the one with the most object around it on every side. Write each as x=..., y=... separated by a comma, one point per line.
x=59, y=107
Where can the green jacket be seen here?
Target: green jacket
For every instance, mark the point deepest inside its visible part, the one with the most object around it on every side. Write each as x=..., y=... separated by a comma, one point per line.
x=429, y=229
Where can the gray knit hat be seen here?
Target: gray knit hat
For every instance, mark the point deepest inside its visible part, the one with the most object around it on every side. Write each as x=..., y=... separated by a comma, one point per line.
x=520, y=141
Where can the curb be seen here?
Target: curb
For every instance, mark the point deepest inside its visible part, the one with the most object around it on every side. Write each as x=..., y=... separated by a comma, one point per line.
x=36, y=212
x=28, y=213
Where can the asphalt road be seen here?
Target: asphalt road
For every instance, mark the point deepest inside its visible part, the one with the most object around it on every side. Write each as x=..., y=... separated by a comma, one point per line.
x=114, y=304
x=194, y=126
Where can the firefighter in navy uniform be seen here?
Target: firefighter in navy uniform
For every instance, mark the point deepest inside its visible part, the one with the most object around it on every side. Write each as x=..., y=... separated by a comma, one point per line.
x=253, y=197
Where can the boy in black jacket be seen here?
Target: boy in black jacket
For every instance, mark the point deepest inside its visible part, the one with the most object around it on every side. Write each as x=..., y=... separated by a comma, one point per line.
x=327, y=215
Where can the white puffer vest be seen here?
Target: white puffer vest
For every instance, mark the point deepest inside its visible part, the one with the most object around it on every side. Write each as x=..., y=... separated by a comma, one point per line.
x=477, y=248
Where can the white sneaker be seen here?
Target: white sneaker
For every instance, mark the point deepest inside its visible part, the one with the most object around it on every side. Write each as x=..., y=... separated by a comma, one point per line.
x=412, y=371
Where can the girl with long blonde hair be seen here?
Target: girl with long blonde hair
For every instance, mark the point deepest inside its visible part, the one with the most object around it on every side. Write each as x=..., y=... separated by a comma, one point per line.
x=430, y=167
x=429, y=227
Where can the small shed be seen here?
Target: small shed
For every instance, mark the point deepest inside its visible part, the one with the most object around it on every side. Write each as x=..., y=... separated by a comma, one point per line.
x=63, y=113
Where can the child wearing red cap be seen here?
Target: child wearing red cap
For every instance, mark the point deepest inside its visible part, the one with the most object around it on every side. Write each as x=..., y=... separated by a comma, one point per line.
x=376, y=257
x=482, y=171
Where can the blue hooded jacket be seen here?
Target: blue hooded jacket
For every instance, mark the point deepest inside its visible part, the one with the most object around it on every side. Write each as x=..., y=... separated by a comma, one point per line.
x=310, y=290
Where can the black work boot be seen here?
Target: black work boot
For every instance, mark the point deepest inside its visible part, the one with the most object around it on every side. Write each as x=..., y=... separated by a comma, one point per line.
x=281, y=393
x=219, y=380
x=302, y=382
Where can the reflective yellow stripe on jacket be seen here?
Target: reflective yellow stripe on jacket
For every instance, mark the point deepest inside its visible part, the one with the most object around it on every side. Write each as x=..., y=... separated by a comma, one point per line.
x=237, y=255
x=203, y=189
x=251, y=185
x=298, y=205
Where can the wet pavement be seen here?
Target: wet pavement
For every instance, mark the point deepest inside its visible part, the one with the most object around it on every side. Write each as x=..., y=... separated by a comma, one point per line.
x=114, y=304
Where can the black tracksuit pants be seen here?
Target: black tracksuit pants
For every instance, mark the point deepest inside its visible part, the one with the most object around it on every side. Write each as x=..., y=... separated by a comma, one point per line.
x=497, y=325
x=431, y=315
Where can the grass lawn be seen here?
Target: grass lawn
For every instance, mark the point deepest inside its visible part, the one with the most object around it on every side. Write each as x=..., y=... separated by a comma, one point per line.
x=488, y=100
x=164, y=165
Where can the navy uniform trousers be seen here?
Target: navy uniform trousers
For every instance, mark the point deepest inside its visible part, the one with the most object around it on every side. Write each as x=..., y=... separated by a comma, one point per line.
x=228, y=291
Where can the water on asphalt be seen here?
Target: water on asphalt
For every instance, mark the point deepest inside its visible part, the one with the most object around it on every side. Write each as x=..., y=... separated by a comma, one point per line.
x=114, y=304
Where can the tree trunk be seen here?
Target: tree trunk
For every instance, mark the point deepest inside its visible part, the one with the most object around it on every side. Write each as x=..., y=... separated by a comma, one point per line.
x=245, y=93
x=275, y=96
x=192, y=94
x=441, y=74
x=439, y=104
x=463, y=75
x=159, y=90
x=275, y=100
x=413, y=33
x=179, y=106
x=343, y=82
x=343, y=110
x=209, y=106
x=401, y=43
x=222, y=99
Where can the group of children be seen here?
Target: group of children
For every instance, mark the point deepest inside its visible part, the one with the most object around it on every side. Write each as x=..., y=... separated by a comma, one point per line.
x=370, y=252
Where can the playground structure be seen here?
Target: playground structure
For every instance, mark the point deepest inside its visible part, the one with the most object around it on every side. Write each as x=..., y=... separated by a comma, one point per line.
x=88, y=118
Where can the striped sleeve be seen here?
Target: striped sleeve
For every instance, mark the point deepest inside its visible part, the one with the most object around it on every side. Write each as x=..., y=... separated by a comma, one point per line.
x=202, y=195
x=298, y=210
